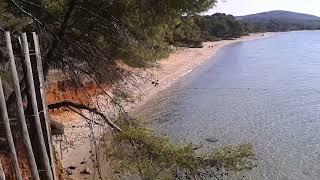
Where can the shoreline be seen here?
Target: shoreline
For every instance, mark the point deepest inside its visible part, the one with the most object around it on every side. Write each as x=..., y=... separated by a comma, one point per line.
x=168, y=71
x=182, y=62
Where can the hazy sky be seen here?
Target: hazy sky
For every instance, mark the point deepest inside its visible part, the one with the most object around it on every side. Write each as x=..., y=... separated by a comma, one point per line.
x=244, y=7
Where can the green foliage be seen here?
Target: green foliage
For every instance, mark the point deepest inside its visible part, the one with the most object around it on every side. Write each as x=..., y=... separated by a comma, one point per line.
x=55, y=7
x=138, y=56
x=103, y=30
x=153, y=23
x=233, y=158
x=186, y=34
x=8, y=21
x=6, y=76
x=220, y=26
x=6, y=83
x=137, y=151
x=280, y=25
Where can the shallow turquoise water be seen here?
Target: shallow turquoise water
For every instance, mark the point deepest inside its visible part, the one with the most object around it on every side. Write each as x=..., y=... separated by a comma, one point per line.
x=265, y=92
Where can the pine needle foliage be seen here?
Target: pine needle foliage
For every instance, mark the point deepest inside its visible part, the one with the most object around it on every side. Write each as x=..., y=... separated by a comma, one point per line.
x=138, y=151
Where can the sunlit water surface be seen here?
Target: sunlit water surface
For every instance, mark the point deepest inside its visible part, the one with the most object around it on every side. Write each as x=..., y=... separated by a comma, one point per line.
x=265, y=92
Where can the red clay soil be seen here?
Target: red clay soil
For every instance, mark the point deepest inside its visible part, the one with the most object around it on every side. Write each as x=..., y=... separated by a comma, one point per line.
x=61, y=91
x=23, y=163
x=67, y=90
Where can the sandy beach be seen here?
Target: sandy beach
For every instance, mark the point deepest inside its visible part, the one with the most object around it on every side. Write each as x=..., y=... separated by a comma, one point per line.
x=181, y=62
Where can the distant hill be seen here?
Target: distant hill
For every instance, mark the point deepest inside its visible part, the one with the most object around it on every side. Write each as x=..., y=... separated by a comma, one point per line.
x=280, y=21
x=286, y=15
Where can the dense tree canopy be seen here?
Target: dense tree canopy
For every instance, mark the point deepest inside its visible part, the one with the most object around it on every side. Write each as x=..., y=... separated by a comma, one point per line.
x=220, y=25
x=280, y=25
x=186, y=33
x=101, y=30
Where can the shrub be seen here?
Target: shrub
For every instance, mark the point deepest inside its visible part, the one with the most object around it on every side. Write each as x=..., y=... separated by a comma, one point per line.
x=137, y=151
x=136, y=56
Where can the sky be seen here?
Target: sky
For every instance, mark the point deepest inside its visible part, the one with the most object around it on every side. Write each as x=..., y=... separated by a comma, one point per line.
x=244, y=7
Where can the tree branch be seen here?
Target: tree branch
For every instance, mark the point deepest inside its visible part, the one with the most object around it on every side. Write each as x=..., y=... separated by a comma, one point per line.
x=69, y=104
x=98, y=83
x=85, y=117
x=3, y=15
x=35, y=5
x=31, y=3
x=26, y=13
x=34, y=18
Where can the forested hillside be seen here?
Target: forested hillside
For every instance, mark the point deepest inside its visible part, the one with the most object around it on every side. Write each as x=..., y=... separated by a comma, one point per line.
x=191, y=32
x=275, y=21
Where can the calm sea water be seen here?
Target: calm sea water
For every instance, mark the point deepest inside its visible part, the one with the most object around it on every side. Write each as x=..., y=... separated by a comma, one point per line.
x=265, y=92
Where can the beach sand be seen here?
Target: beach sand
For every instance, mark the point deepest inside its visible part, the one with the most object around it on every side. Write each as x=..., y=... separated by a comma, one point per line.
x=182, y=62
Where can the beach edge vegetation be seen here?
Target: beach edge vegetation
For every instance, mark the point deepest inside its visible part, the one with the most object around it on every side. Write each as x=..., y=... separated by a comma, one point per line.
x=138, y=151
